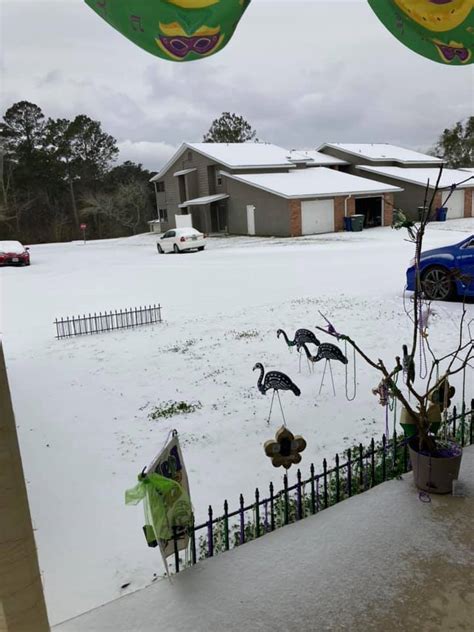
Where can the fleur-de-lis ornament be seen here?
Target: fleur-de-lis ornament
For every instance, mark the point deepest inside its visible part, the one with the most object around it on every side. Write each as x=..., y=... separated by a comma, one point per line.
x=285, y=449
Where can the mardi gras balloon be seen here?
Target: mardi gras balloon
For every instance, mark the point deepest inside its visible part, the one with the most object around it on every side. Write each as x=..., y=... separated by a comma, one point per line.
x=442, y=30
x=177, y=30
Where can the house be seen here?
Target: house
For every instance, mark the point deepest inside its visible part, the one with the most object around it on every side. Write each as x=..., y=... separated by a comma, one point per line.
x=303, y=201
x=407, y=169
x=208, y=180
x=191, y=181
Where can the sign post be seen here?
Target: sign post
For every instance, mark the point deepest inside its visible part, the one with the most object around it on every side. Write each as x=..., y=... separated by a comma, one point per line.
x=83, y=228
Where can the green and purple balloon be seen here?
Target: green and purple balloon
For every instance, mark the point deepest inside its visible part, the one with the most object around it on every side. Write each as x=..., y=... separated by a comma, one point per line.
x=441, y=30
x=176, y=30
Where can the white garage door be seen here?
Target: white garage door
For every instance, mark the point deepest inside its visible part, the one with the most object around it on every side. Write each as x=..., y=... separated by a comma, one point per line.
x=317, y=216
x=455, y=204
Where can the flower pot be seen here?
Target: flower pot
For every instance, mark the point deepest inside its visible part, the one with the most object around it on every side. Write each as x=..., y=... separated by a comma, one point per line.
x=435, y=473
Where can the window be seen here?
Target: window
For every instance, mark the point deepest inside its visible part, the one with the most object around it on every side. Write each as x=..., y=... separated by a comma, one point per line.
x=190, y=155
x=218, y=178
x=160, y=187
x=163, y=214
x=170, y=233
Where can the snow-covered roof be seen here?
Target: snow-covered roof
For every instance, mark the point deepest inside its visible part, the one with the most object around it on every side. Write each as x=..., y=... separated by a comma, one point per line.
x=380, y=152
x=184, y=172
x=313, y=183
x=313, y=157
x=204, y=200
x=421, y=176
x=235, y=156
x=244, y=155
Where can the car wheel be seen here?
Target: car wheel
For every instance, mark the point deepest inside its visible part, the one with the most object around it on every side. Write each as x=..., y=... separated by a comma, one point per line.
x=437, y=284
x=201, y=248
x=176, y=249
x=160, y=249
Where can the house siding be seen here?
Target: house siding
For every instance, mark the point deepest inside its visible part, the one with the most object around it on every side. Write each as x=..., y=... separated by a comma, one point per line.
x=272, y=213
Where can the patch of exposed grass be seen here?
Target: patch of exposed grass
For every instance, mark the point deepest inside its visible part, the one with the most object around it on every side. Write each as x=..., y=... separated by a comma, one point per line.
x=170, y=409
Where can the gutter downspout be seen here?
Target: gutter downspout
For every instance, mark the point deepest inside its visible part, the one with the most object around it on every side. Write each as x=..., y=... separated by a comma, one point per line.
x=345, y=204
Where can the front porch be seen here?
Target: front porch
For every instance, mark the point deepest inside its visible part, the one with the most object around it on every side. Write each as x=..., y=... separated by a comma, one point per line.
x=382, y=560
x=209, y=213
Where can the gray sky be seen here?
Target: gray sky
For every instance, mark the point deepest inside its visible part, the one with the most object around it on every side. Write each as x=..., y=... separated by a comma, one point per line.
x=301, y=73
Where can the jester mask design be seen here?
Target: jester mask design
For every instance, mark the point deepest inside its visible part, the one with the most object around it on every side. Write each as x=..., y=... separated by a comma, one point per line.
x=176, y=30
x=441, y=30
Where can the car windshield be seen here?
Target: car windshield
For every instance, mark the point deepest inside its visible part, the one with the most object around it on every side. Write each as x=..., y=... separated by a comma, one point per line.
x=11, y=246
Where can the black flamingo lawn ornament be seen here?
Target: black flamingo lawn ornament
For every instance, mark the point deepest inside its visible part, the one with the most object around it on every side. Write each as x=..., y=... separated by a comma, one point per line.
x=302, y=336
x=276, y=381
x=328, y=352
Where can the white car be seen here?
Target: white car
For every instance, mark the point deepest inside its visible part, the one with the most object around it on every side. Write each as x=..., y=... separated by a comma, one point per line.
x=181, y=239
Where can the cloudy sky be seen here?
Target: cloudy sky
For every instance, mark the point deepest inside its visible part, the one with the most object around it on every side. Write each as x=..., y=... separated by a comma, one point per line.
x=301, y=73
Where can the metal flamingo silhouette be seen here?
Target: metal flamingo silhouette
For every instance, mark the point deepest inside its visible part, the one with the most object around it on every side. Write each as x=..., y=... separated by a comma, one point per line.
x=301, y=336
x=276, y=381
x=327, y=352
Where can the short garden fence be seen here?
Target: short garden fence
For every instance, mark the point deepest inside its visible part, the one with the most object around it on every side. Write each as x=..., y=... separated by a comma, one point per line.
x=362, y=469
x=107, y=321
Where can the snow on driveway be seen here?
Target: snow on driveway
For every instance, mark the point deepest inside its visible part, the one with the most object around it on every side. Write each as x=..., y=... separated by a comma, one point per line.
x=82, y=404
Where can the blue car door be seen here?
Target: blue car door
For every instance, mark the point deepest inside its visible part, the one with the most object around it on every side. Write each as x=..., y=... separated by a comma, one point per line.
x=465, y=260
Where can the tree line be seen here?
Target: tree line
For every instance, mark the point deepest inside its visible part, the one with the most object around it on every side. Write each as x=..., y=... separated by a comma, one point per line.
x=57, y=173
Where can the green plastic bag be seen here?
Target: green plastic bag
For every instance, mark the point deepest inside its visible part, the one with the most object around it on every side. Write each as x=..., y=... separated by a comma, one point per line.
x=441, y=30
x=166, y=504
x=176, y=30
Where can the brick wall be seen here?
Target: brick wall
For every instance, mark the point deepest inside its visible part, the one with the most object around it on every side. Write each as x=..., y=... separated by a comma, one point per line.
x=295, y=218
x=388, y=206
x=468, y=194
x=338, y=213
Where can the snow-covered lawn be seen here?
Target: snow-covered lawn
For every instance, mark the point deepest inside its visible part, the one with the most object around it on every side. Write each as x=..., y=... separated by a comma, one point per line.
x=82, y=404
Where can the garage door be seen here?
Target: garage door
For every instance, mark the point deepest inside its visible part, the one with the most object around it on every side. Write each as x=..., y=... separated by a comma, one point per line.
x=455, y=205
x=317, y=216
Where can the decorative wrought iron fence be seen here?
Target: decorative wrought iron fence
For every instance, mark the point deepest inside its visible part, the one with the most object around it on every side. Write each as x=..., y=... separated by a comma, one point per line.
x=107, y=321
x=362, y=469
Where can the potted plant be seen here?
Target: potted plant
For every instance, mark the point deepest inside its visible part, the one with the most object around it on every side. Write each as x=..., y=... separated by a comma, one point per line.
x=435, y=461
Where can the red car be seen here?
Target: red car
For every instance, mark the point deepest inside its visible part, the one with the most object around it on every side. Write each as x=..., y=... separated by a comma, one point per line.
x=13, y=253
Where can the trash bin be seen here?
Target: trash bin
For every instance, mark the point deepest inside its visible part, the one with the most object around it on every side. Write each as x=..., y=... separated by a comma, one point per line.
x=347, y=224
x=441, y=213
x=357, y=222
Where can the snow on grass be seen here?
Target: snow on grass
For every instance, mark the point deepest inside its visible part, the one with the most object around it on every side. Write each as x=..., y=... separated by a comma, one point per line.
x=83, y=405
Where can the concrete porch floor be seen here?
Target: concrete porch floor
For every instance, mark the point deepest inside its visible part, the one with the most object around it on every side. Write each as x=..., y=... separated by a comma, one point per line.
x=381, y=561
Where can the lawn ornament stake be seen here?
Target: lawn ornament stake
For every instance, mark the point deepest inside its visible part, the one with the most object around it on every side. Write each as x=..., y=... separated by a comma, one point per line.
x=441, y=30
x=276, y=381
x=176, y=30
x=328, y=352
x=301, y=336
x=285, y=449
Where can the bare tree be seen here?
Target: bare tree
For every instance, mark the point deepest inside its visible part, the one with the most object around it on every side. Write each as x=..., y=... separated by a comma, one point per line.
x=442, y=366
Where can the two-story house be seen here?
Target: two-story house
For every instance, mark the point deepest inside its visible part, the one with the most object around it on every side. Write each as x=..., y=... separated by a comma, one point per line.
x=262, y=189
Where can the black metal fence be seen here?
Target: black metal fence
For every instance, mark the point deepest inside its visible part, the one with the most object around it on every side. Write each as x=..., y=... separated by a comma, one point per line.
x=107, y=321
x=362, y=469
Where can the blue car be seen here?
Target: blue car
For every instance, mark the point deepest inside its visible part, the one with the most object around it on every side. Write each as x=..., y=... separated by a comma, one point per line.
x=446, y=272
